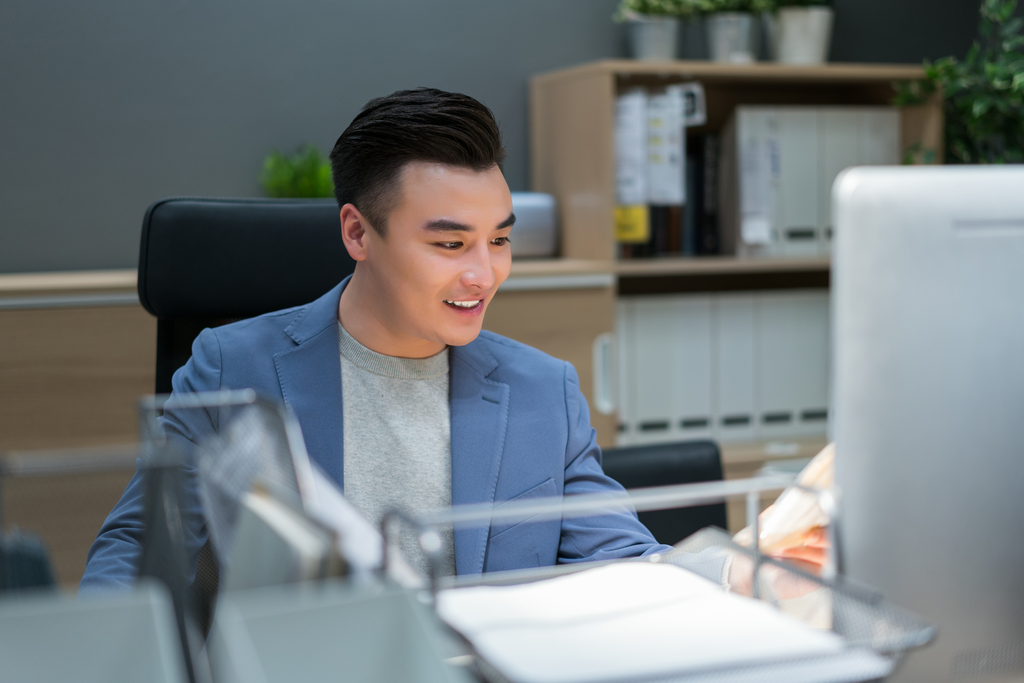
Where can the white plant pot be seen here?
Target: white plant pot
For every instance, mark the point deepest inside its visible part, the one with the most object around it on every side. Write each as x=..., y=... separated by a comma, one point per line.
x=733, y=37
x=653, y=38
x=801, y=35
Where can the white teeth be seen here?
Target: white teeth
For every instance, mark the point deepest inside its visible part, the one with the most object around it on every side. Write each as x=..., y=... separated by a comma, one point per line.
x=463, y=304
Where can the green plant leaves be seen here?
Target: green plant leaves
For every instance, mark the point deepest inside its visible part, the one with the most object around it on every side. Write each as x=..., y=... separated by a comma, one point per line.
x=983, y=95
x=303, y=174
x=686, y=9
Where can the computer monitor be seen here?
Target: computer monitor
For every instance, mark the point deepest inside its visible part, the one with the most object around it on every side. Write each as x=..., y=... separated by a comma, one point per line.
x=928, y=306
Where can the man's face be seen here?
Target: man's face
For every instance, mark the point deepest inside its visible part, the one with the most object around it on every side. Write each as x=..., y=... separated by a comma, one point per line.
x=445, y=253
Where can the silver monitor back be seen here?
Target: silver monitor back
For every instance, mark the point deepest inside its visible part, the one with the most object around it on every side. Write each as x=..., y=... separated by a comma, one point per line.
x=928, y=305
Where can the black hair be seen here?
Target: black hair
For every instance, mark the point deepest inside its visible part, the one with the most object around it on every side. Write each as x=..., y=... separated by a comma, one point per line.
x=409, y=125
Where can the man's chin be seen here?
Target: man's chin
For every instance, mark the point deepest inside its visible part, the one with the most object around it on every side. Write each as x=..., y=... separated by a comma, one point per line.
x=461, y=337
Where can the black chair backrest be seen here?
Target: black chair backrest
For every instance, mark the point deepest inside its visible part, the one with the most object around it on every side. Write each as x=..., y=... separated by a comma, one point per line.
x=681, y=462
x=204, y=262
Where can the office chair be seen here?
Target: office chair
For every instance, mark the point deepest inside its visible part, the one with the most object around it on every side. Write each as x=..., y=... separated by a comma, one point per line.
x=206, y=262
x=680, y=462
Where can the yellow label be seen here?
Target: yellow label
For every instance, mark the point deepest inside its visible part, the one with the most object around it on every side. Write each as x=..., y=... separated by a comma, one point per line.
x=632, y=224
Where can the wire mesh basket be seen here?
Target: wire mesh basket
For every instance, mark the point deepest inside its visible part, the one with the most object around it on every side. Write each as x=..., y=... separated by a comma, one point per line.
x=875, y=633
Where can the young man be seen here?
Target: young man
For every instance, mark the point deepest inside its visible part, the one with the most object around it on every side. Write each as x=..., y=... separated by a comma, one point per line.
x=401, y=397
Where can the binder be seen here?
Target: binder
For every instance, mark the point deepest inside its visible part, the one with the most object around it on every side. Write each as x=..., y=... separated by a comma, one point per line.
x=631, y=148
x=692, y=373
x=666, y=149
x=777, y=169
x=632, y=228
x=654, y=361
x=733, y=367
x=792, y=364
x=839, y=132
x=879, y=141
x=625, y=331
x=796, y=197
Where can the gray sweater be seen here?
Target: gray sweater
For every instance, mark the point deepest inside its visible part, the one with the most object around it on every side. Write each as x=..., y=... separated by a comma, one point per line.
x=397, y=427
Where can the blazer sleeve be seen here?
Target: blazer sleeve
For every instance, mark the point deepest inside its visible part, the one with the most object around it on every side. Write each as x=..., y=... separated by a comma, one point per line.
x=113, y=559
x=618, y=534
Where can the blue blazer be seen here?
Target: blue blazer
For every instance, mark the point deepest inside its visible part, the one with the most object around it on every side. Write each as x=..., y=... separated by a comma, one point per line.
x=520, y=428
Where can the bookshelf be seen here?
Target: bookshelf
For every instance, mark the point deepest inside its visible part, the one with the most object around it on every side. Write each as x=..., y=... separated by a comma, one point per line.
x=572, y=122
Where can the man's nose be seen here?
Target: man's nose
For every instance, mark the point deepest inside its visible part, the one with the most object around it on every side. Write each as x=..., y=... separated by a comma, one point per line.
x=478, y=272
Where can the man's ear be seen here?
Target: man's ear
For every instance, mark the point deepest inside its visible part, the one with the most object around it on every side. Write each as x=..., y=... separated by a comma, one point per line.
x=355, y=231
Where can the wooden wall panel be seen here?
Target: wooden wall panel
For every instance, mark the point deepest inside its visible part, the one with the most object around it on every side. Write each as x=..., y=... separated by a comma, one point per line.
x=65, y=511
x=70, y=377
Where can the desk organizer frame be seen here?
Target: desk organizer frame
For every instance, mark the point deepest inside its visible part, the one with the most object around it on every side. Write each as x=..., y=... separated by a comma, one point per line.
x=875, y=633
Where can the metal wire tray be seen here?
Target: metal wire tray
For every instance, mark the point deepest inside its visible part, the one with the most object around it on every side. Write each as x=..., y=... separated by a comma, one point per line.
x=875, y=633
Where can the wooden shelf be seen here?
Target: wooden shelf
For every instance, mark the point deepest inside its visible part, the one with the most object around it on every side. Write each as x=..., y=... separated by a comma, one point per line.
x=668, y=266
x=572, y=124
x=553, y=267
x=757, y=453
x=719, y=265
x=761, y=71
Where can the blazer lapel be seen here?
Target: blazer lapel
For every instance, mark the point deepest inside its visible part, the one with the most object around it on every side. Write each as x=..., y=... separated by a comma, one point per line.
x=310, y=378
x=479, y=418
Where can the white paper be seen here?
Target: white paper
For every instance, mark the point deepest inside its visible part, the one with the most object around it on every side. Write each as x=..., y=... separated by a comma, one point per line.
x=625, y=620
x=694, y=109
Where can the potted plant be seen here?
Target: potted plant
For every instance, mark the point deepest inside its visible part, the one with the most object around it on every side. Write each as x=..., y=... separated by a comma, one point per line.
x=983, y=95
x=800, y=31
x=303, y=174
x=652, y=26
x=734, y=33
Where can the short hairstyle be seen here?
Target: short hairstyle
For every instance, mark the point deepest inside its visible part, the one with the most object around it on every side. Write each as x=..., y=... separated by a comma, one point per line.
x=426, y=125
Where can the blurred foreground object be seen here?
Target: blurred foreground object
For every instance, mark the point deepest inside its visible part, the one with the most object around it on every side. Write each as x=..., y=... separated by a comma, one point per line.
x=928, y=384
x=123, y=636
x=329, y=632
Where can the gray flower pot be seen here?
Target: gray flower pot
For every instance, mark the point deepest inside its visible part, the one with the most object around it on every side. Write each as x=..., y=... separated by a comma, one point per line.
x=653, y=38
x=733, y=37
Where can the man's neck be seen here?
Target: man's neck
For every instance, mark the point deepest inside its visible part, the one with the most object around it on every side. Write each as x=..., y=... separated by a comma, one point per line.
x=371, y=326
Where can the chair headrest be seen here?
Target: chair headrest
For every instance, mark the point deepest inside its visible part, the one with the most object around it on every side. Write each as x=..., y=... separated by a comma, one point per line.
x=236, y=258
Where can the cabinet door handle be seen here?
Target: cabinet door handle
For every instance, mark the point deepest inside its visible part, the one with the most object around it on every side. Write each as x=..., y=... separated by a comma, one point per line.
x=605, y=373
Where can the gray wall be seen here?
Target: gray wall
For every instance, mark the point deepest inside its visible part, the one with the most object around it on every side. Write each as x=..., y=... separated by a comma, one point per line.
x=109, y=105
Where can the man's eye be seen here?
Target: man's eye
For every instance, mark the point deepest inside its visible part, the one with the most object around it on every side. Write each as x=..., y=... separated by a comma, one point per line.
x=501, y=241
x=449, y=245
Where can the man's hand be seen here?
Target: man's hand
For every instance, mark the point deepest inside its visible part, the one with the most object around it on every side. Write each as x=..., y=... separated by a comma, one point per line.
x=809, y=555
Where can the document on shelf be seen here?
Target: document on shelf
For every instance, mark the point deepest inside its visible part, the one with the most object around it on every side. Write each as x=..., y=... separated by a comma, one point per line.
x=628, y=620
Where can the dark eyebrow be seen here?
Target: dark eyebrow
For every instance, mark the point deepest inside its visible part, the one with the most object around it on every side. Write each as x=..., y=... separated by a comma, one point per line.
x=446, y=225
x=508, y=222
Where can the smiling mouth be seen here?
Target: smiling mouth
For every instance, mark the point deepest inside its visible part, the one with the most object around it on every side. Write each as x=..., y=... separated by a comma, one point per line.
x=464, y=305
